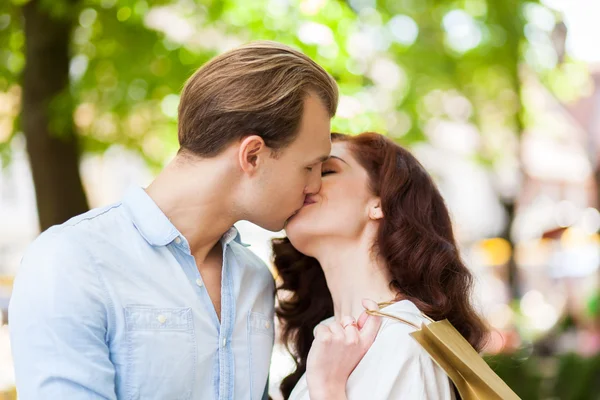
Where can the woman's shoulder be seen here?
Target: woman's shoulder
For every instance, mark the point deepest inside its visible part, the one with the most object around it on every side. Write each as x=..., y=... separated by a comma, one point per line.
x=404, y=309
x=398, y=363
x=394, y=338
x=403, y=316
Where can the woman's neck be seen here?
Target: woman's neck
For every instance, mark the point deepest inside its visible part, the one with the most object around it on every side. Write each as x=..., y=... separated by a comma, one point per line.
x=354, y=273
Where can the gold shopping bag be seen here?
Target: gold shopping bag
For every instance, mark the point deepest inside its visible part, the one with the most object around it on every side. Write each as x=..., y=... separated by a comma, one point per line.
x=472, y=376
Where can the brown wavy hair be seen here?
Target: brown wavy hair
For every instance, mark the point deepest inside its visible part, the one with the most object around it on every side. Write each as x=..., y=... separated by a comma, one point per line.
x=415, y=239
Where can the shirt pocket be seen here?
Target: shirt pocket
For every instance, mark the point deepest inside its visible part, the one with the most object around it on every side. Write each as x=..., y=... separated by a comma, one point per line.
x=161, y=353
x=261, y=336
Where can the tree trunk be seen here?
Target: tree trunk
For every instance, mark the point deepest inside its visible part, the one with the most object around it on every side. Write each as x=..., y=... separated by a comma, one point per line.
x=512, y=270
x=54, y=156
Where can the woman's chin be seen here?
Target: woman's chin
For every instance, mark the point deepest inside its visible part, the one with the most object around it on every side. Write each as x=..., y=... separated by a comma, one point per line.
x=301, y=244
x=293, y=230
x=295, y=221
x=297, y=231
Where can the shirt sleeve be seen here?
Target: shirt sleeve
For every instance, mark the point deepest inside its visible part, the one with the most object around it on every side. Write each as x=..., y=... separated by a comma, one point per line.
x=58, y=318
x=397, y=367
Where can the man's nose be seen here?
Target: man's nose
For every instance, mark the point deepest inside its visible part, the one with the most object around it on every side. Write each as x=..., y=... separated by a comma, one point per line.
x=314, y=185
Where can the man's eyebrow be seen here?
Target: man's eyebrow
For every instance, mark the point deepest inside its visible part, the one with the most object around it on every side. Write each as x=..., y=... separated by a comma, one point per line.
x=321, y=160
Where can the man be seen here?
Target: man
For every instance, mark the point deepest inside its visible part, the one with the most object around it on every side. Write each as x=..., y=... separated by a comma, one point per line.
x=156, y=297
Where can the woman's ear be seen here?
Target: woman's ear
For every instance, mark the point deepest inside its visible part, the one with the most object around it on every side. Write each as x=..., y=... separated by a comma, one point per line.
x=375, y=211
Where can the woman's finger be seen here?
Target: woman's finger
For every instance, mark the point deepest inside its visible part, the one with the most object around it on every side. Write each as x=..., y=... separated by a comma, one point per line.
x=350, y=330
x=321, y=330
x=368, y=305
x=347, y=320
x=371, y=325
x=337, y=330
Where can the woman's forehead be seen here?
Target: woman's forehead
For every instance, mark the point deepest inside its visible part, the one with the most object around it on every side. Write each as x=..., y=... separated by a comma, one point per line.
x=340, y=149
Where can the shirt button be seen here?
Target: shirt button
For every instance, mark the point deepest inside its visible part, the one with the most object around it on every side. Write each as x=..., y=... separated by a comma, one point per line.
x=178, y=240
x=267, y=325
x=162, y=319
x=199, y=282
x=224, y=342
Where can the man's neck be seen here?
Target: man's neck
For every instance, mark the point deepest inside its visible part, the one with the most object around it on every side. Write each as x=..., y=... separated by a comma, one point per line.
x=196, y=197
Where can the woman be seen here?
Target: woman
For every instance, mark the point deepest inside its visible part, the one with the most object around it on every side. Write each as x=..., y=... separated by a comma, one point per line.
x=378, y=229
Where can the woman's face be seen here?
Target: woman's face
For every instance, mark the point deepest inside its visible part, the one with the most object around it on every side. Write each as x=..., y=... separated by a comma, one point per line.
x=340, y=209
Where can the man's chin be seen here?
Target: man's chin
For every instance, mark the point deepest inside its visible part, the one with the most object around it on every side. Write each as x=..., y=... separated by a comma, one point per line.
x=275, y=226
x=279, y=225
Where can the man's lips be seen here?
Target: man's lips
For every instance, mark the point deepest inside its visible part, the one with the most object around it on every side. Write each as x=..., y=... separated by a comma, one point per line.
x=307, y=202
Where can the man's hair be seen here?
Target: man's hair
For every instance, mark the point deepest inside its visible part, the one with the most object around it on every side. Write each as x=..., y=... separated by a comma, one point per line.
x=258, y=88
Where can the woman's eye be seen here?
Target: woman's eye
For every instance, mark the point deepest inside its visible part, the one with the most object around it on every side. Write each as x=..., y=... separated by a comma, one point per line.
x=309, y=169
x=327, y=172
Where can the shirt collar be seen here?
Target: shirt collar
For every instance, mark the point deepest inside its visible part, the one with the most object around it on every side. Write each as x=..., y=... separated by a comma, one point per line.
x=233, y=234
x=154, y=225
x=149, y=220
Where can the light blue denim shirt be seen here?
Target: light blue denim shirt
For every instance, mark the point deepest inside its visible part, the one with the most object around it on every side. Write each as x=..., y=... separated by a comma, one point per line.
x=110, y=305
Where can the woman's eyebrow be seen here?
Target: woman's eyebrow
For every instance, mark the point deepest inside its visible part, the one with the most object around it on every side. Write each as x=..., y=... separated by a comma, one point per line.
x=338, y=158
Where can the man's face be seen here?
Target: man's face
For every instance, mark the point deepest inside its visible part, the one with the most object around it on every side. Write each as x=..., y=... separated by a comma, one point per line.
x=296, y=171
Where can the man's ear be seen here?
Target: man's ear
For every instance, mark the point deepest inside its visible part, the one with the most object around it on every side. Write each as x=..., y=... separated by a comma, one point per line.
x=251, y=153
x=375, y=210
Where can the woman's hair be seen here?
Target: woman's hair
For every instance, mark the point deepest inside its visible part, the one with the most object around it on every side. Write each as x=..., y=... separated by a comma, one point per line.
x=414, y=238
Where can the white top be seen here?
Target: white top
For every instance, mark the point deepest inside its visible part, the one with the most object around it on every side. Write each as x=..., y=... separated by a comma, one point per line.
x=396, y=366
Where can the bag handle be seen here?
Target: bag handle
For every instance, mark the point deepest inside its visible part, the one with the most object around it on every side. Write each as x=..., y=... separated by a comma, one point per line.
x=383, y=314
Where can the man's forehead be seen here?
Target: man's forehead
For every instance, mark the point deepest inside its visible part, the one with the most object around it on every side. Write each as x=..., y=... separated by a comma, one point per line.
x=323, y=154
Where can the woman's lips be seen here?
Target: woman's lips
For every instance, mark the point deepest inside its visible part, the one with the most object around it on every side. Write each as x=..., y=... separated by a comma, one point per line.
x=307, y=202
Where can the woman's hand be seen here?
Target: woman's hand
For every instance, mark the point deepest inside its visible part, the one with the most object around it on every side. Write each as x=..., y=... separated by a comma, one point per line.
x=336, y=351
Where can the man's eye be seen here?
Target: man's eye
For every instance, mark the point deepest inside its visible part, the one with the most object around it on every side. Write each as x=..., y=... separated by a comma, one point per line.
x=309, y=169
